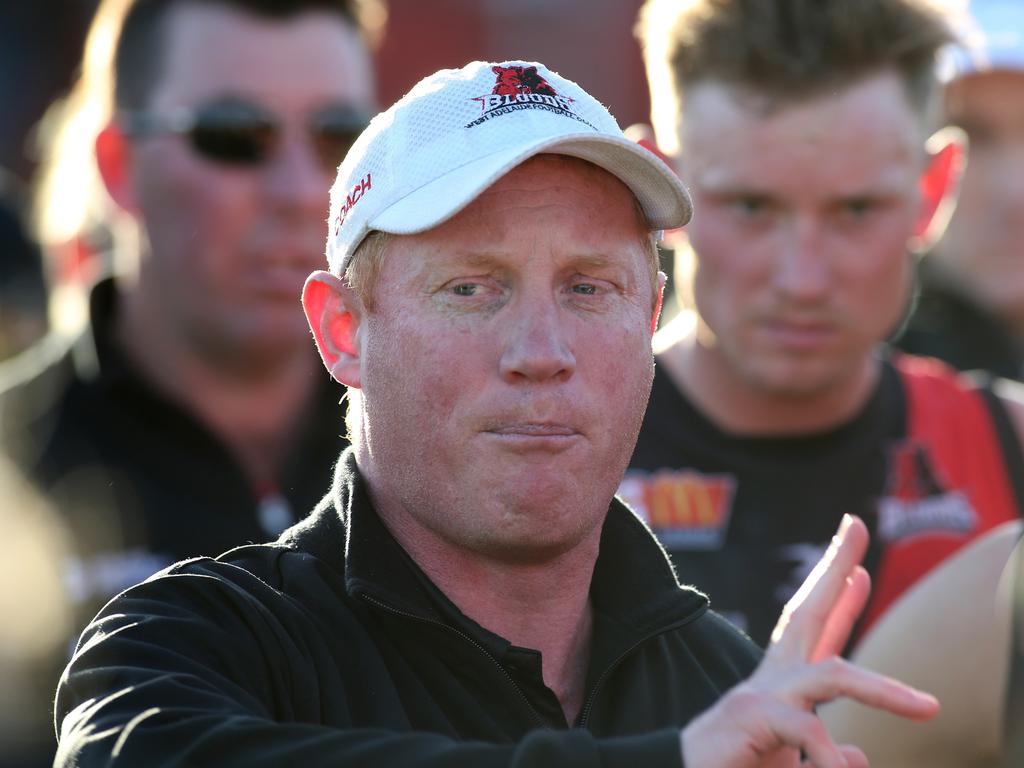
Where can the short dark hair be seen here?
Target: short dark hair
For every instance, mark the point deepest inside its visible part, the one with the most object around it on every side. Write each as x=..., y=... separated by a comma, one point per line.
x=793, y=49
x=138, y=50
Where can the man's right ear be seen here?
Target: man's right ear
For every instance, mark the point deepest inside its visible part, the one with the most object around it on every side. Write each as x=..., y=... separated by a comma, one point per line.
x=114, y=160
x=334, y=312
x=939, y=186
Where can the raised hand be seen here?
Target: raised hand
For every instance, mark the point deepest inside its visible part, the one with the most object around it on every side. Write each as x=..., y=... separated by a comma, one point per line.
x=766, y=721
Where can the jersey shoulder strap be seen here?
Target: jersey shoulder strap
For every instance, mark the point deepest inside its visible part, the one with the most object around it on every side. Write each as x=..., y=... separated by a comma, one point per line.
x=968, y=434
x=1006, y=432
x=953, y=434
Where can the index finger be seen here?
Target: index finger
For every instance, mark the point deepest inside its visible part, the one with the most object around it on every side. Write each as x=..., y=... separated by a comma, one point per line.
x=808, y=612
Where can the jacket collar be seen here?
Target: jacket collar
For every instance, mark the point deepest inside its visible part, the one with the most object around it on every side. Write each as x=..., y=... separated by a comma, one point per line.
x=634, y=590
x=93, y=351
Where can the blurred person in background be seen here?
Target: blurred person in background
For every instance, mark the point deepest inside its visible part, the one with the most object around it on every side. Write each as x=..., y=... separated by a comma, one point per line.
x=191, y=413
x=38, y=618
x=72, y=215
x=22, y=288
x=800, y=128
x=970, y=311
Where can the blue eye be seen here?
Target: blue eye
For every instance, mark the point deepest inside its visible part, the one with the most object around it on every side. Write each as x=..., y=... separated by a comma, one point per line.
x=465, y=289
x=586, y=289
x=858, y=207
x=750, y=205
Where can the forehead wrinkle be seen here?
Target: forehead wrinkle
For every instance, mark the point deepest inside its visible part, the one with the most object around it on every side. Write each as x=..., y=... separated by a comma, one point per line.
x=580, y=207
x=517, y=203
x=565, y=178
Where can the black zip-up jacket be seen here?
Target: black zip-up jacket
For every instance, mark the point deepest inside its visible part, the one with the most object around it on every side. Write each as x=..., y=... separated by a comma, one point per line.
x=332, y=648
x=138, y=480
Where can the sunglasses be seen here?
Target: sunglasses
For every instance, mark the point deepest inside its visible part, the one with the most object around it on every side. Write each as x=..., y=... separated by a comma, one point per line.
x=243, y=134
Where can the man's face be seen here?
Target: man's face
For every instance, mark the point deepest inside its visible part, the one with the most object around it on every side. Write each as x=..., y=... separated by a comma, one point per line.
x=232, y=244
x=507, y=364
x=802, y=215
x=985, y=239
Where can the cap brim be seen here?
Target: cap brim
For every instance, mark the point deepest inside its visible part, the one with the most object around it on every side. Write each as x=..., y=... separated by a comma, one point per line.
x=662, y=196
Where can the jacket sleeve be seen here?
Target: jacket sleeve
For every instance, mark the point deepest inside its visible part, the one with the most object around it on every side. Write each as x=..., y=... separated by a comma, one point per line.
x=174, y=672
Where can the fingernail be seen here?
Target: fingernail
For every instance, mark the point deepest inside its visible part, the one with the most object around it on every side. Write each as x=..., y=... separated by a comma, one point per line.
x=840, y=534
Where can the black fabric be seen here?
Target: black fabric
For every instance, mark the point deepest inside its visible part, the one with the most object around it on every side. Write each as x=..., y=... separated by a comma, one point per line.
x=787, y=495
x=126, y=465
x=331, y=647
x=947, y=324
x=138, y=480
x=745, y=518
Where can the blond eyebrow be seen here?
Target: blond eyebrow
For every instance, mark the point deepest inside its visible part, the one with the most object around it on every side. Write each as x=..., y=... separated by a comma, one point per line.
x=485, y=259
x=473, y=258
x=592, y=260
x=445, y=259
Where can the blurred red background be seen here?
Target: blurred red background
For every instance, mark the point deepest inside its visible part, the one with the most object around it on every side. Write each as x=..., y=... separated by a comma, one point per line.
x=589, y=41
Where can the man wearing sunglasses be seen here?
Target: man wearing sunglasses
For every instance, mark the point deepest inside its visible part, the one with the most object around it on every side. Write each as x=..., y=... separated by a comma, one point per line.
x=192, y=413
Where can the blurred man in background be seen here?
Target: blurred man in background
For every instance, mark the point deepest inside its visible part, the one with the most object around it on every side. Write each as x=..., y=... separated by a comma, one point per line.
x=800, y=128
x=191, y=413
x=38, y=617
x=971, y=306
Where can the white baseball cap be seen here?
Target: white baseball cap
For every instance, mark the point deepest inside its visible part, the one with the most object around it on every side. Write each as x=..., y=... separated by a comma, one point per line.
x=459, y=130
x=991, y=38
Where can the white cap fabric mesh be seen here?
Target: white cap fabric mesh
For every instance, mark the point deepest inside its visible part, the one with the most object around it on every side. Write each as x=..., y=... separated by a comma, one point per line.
x=458, y=131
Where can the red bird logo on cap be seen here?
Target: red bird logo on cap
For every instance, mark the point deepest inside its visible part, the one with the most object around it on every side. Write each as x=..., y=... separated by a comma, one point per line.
x=515, y=80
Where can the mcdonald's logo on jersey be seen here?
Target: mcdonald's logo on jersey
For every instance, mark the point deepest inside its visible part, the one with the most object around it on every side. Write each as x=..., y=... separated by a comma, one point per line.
x=685, y=509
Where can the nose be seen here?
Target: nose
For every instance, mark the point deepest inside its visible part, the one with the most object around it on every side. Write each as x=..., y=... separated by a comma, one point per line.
x=295, y=180
x=537, y=348
x=802, y=270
